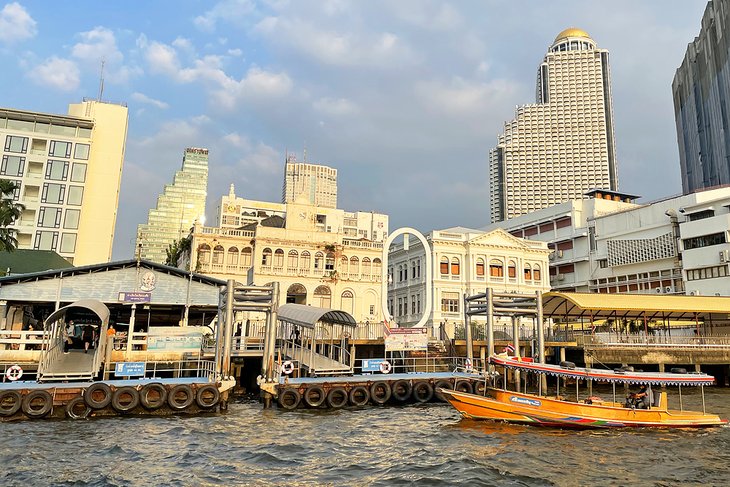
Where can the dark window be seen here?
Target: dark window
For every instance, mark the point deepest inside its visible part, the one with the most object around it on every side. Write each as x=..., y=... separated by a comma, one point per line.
x=704, y=241
x=57, y=170
x=53, y=193
x=701, y=215
x=13, y=143
x=12, y=166
x=60, y=149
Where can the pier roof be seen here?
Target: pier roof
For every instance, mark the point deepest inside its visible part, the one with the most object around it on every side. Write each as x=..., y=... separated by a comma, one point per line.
x=308, y=316
x=634, y=306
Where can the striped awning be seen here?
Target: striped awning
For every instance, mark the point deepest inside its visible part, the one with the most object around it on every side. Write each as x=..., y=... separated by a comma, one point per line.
x=308, y=316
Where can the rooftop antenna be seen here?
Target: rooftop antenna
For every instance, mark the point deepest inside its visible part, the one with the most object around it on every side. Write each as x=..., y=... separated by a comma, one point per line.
x=101, y=81
x=304, y=156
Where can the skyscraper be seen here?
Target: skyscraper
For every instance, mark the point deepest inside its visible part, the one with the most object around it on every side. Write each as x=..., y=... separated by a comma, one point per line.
x=563, y=145
x=317, y=183
x=181, y=203
x=701, y=90
x=68, y=171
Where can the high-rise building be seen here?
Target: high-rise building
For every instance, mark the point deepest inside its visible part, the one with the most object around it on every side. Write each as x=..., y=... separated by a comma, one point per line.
x=178, y=207
x=563, y=145
x=68, y=169
x=701, y=90
x=315, y=183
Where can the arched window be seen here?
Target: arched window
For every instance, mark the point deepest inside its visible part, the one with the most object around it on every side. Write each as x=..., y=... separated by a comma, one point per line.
x=218, y=254
x=354, y=267
x=246, y=254
x=232, y=256
x=344, y=264
x=279, y=258
x=322, y=297
x=318, y=262
x=305, y=261
x=329, y=263
x=291, y=265
x=480, y=267
x=348, y=302
x=444, y=268
x=496, y=268
x=512, y=270
x=377, y=269
x=455, y=267
x=266, y=257
x=536, y=273
x=204, y=254
x=366, y=268
x=528, y=272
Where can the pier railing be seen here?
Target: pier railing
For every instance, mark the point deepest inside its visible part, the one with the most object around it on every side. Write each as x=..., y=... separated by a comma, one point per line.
x=192, y=367
x=405, y=365
x=652, y=341
x=21, y=340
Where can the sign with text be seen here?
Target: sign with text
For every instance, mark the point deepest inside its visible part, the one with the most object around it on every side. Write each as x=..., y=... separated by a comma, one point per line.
x=174, y=339
x=371, y=364
x=134, y=297
x=130, y=369
x=406, y=339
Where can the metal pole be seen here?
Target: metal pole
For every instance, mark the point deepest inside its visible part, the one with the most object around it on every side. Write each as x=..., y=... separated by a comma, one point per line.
x=540, y=329
x=467, y=330
x=219, y=327
x=516, y=344
x=130, y=332
x=228, y=329
x=490, y=322
x=274, y=317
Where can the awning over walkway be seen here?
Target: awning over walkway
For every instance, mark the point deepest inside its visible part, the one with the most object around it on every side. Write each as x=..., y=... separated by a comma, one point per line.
x=97, y=307
x=634, y=306
x=308, y=316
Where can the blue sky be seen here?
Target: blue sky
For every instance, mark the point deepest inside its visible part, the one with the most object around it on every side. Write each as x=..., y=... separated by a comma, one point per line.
x=404, y=97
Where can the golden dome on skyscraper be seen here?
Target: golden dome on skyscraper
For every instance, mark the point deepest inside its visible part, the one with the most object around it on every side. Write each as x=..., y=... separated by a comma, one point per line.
x=572, y=32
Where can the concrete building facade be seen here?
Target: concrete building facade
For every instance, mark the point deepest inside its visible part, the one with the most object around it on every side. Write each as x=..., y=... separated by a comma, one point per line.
x=68, y=170
x=315, y=182
x=563, y=145
x=701, y=90
x=180, y=205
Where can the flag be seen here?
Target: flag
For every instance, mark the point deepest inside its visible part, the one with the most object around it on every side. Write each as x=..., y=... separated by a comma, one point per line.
x=386, y=328
x=509, y=348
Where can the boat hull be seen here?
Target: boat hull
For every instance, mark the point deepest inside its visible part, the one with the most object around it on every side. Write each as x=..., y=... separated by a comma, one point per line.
x=518, y=408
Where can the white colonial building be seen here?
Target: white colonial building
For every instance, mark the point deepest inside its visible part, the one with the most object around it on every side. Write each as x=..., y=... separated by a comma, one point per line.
x=464, y=261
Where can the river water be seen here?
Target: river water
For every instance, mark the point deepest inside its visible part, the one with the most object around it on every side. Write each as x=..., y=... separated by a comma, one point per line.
x=380, y=446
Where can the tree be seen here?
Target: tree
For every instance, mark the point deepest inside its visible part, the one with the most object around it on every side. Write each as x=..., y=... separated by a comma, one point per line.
x=10, y=211
x=176, y=249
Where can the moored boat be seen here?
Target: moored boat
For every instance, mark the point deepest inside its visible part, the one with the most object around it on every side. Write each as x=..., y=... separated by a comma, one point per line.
x=593, y=412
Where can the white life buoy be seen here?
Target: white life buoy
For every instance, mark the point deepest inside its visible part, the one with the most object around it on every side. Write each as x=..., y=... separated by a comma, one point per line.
x=468, y=365
x=385, y=367
x=14, y=372
x=287, y=367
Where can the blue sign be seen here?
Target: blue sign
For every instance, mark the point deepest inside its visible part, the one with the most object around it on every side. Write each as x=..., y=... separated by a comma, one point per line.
x=134, y=297
x=526, y=401
x=130, y=369
x=372, y=364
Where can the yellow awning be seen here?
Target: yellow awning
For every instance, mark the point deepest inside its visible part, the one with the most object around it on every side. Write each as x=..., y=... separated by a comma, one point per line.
x=634, y=306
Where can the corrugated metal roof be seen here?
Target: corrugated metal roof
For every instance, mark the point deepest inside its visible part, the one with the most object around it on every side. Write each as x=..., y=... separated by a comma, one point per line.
x=91, y=304
x=308, y=316
x=633, y=306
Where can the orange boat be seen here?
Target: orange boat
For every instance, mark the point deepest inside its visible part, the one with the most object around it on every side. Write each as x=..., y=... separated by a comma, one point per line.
x=523, y=408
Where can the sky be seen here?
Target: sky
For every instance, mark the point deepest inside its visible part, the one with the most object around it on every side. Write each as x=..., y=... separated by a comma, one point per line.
x=405, y=98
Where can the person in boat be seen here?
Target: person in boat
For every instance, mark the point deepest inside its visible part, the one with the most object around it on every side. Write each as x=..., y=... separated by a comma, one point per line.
x=642, y=399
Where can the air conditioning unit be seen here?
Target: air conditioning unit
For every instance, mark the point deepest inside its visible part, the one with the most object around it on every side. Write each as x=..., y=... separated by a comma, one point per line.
x=694, y=293
x=724, y=256
x=561, y=277
x=668, y=289
x=658, y=290
x=551, y=256
x=560, y=253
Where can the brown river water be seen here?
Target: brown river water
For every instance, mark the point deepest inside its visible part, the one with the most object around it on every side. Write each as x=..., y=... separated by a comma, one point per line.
x=420, y=445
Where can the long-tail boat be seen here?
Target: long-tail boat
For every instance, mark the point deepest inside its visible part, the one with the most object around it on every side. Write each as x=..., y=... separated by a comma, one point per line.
x=500, y=404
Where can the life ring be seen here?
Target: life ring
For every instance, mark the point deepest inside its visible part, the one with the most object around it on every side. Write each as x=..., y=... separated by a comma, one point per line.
x=401, y=390
x=37, y=404
x=314, y=396
x=125, y=399
x=337, y=397
x=287, y=367
x=385, y=367
x=359, y=396
x=380, y=392
x=468, y=365
x=72, y=408
x=91, y=395
x=14, y=372
x=207, y=396
x=10, y=402
x=422, y=391
x=464, y=386
x=289, y=399
x=179, y=403
x=442, y=384
x=153, y=396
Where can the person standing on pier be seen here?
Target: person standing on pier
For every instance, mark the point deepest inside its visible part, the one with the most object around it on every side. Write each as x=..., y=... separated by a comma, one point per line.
x=87, y=336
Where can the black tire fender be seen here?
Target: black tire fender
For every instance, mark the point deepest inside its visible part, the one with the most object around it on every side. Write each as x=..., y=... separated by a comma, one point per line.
x=464, y=386
x=73, y=405
x=203, y=398
x=118, y=399
x=359, y=396
x=176, y=402
x=443, y=384
x=10, y=402
x=480, y=388
x=337, y=397
x=93, y=391
x=31, y=409
x=289, y=399
x=380, y=392
x=401, y=390
x=314, y=396
x=148, y=390
x=422, y=391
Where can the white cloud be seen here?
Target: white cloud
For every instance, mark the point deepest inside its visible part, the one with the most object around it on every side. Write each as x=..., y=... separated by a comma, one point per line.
x=234, y=11
x=235, y=52
x=183, y=43
x=100, y=44
x=142, y=98
x=461, y=97
x=335, y=106
x=16, y=24
x=258, y=84
x=58, y=73
x=162, y=58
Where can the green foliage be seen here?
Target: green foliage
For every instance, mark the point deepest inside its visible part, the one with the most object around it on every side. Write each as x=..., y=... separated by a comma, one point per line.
x=176, y=249
x=10, y=211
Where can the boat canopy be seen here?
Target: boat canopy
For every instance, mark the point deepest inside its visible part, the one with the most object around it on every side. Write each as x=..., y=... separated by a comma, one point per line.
x=603, y=375
x=308, y=316
x=634, y=306
x=97, y=307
